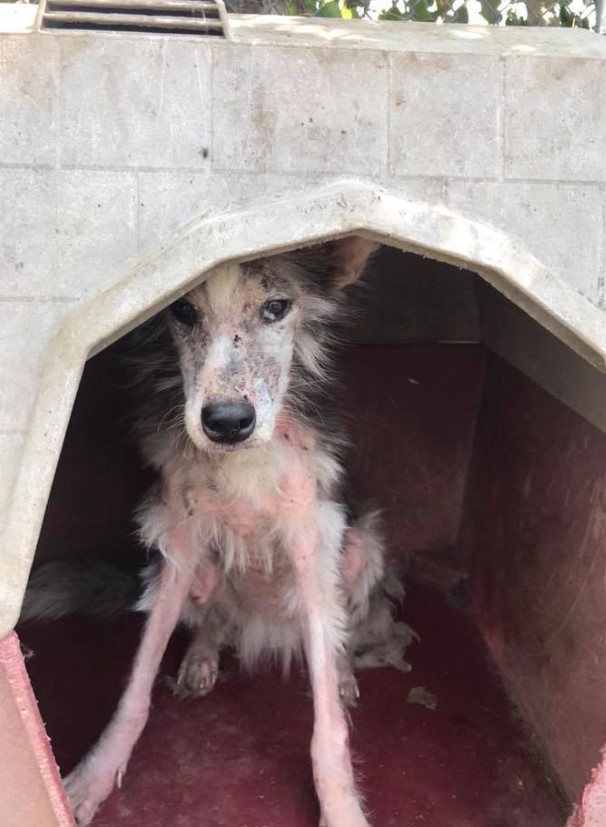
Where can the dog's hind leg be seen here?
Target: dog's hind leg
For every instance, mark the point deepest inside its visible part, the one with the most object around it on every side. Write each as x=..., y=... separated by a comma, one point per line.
x=372, y=587
x=103, y=767
x=200, y=664
x=314, y=550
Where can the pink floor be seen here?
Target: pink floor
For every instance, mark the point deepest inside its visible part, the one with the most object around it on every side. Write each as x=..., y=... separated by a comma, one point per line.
x=240, y=756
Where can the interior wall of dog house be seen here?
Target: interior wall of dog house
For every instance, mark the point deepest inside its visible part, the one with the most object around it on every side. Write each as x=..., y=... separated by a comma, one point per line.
x=129, y=165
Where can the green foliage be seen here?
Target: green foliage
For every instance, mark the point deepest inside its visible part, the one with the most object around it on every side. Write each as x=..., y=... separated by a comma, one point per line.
x=569, y=19
x=426, y=11
x=325, y=8
x=394, y=13
x=513, y=19
x=431, y=11
x=460, y=15
x=491, y=13
x=329, y=9
x=419, y=10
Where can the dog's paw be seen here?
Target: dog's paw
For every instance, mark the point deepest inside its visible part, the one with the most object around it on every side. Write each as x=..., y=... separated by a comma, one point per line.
x=197, y=674
x=87, y=789
x=348, y=688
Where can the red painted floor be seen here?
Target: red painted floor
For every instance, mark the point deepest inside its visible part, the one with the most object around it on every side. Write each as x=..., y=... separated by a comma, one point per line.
x=240, y=756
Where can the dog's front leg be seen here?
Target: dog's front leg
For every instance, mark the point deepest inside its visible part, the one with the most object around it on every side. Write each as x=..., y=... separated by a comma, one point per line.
x=314, y=547
x=102, y=769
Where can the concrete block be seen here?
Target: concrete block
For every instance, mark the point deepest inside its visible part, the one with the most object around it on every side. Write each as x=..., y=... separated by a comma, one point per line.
x=445, y=113
x=555, y=118
x=96, y=230
x=28, y=100
x=168, y=200
x=431, y=190
x=28, y=249
x=26, y=328
x=135, y=101
x=299, y=110
x=67, y=233
x=560, y=224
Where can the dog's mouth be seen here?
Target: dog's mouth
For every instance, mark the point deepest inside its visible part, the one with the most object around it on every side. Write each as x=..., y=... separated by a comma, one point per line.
x=213, y=448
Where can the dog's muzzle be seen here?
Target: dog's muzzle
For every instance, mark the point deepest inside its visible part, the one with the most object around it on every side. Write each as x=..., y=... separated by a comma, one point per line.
x=228, y=422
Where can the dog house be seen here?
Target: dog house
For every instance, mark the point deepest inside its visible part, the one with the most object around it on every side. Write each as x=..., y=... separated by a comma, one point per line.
x=130, y=164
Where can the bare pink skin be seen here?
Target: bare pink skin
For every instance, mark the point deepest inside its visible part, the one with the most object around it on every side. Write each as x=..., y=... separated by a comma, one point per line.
x=295, y=502
x=104, y=766
x=331, y=759
x=333, y=772
x=200, y=664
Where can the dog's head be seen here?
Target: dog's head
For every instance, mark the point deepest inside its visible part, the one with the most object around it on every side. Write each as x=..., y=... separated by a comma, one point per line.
x=237, y=334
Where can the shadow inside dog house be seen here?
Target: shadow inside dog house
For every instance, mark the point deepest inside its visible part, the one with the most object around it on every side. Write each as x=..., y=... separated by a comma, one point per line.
x=481, y=435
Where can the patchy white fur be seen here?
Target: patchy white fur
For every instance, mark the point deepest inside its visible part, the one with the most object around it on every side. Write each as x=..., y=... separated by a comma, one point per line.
x=221, y=285
x=266, y=408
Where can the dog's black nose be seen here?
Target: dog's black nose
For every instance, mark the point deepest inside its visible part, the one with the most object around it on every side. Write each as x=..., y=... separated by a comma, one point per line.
x=228, y=422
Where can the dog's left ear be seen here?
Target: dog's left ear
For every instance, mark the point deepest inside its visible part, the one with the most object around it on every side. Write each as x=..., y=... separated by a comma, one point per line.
x=348, y=257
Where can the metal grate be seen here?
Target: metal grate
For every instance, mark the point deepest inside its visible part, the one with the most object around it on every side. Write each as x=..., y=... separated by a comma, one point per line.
x=191, y=17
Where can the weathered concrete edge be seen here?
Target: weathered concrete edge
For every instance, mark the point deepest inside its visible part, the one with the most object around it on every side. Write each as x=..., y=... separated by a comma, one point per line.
x=385, y=35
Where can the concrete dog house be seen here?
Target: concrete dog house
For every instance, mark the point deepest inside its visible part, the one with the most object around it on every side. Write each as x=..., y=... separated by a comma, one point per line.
x=130, y=164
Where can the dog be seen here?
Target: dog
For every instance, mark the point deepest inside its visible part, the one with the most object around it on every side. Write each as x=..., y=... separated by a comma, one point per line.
x=259, y=550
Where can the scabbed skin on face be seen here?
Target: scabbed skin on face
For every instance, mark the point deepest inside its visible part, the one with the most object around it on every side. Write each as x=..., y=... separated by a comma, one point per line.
x=234, y=352
x=222, y=349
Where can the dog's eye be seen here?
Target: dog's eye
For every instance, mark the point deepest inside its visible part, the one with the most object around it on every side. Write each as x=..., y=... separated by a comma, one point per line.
x=184, y=312
x=275, y=309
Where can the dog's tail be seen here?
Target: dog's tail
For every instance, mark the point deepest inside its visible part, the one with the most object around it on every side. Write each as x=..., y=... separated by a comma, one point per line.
x=84, y=586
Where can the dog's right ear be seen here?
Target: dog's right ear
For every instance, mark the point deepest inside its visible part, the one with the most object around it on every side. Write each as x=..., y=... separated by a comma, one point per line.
x=348, y=258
